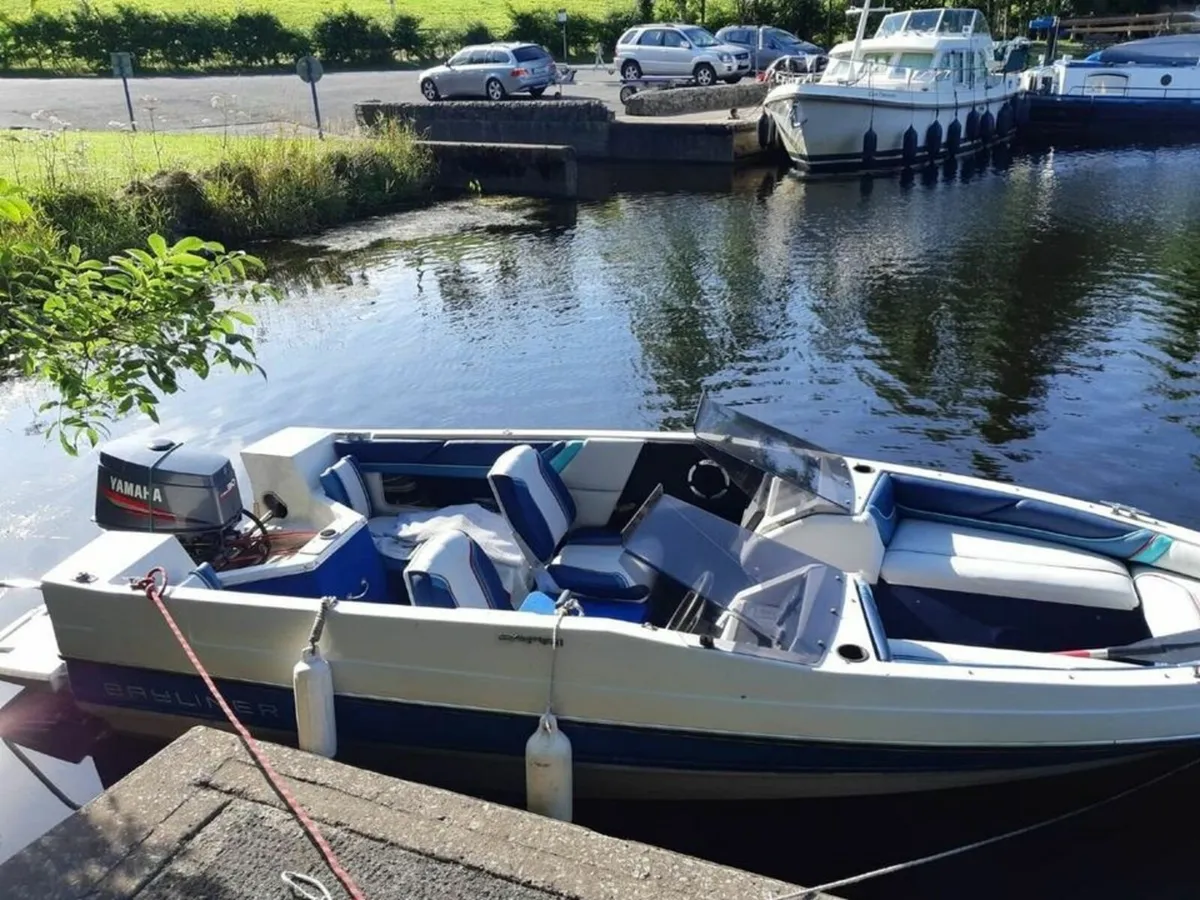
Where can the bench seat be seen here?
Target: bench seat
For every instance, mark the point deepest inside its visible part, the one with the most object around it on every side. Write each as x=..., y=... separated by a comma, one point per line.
x=944, y=557
x=1170, y=602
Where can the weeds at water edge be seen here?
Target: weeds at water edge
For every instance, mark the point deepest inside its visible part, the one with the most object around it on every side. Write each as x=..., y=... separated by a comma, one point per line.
x=105, y=191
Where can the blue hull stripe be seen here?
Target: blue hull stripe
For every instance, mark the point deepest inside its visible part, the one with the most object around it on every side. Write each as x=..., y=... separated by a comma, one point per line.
x=443, y=728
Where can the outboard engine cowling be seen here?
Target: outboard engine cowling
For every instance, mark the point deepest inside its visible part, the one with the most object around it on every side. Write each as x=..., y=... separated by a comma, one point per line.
x=162, y=486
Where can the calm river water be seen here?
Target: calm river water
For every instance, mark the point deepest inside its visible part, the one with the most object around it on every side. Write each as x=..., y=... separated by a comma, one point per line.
x=1036, y=321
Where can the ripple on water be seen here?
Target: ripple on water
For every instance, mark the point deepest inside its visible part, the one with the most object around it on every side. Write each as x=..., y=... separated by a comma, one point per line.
x=1037, y=321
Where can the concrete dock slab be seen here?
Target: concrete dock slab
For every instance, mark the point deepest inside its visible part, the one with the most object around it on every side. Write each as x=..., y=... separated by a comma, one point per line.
x=199, y=820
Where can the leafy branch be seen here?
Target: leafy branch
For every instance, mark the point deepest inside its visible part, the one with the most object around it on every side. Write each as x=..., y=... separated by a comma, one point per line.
x=113, y=337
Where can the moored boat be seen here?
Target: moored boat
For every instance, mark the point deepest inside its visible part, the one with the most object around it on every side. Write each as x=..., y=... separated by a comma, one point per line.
x=1143, y=90
x=760, y=617
x=919, y=91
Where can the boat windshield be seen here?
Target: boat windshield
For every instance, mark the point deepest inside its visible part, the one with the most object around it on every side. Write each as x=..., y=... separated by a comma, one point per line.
x=746, y=588
x=768, y=451
x=929, y=21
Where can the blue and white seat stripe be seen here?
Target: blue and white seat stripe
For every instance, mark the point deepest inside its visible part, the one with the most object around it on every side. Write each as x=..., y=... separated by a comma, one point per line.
x=449, y=570
x=343, y=483
x=534, y=500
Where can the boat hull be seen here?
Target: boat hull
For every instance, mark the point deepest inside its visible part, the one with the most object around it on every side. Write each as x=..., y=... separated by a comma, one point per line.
x=824, y=131
x=481, y=749
x=1109, y=120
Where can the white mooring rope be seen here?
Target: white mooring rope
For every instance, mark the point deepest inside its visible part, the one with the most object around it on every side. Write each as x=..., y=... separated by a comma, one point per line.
x=814, y=893
x=565, y=607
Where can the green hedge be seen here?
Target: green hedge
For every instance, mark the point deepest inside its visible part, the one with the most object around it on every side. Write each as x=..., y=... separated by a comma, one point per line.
x=83, y=40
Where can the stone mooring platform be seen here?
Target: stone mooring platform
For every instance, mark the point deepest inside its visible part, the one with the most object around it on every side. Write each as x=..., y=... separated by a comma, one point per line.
x=199, y=820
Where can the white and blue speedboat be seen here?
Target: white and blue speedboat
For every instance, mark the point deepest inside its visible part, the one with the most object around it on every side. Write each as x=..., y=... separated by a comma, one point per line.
x=761, y=618
x=1141, y=90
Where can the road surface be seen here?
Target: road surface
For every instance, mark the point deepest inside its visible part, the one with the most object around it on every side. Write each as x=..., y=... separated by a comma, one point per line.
x=210, y=101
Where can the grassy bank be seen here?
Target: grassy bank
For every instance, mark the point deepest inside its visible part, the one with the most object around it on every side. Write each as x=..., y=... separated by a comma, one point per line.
x=303, y=14
x=109, y=190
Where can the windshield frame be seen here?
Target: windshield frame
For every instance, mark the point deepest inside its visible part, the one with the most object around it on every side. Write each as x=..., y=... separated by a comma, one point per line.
x=771, y=451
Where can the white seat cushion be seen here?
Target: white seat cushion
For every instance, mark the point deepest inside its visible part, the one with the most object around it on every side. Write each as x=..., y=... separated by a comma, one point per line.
x=1170, y=602
x=937, y=556
x=607, y=565
x=450, y=570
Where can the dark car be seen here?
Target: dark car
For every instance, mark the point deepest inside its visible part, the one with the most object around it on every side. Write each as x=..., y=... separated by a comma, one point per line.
x=775, y=43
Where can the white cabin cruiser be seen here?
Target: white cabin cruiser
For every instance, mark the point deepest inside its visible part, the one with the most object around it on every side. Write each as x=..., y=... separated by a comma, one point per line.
x=761, y=618
x=921, y=90
x=1147, y=89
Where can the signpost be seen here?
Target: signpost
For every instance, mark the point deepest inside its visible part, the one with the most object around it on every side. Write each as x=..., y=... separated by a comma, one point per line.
x=122, y=64
x=310, y=72
x=562, y=20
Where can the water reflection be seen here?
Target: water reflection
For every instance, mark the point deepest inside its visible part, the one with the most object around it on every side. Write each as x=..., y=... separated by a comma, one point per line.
x=1034, y=318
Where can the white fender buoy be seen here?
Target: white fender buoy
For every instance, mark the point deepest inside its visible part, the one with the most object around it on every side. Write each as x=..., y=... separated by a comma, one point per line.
x=549, y=787
x=312, y=684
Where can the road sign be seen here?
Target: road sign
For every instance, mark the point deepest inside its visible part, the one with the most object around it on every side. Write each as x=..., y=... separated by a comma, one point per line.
x=309, y=69
x=122, y=64
x=562, y=17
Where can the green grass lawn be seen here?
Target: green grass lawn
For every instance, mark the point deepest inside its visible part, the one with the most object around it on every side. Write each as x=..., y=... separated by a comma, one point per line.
x=235, y=189
x=303, y=13
x=110, y=159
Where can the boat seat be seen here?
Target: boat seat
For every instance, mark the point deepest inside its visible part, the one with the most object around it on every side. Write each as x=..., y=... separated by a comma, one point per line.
x=590, y=562
x=942, y=557
x=1170, y=602
x=449, y=570
x=343, y=483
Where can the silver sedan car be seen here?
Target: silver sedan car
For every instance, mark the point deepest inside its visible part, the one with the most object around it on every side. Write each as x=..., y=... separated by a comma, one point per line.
x=491, y=70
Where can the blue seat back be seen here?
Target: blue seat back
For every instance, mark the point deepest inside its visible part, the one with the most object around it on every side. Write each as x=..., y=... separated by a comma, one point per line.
x=534, y=500
x=343, y=483
x=450, y=570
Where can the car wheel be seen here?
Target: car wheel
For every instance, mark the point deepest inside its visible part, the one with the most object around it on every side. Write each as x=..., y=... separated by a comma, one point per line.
x=705, y=75
x=429, y=91
x=495, y=90
x=630, y=71
x=536, y=92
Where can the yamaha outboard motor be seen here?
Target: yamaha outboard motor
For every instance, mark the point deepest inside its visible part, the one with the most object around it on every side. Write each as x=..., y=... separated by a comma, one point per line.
x=162, y=486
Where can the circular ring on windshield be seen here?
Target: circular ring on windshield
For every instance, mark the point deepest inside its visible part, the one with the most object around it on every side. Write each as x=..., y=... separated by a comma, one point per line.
x=708, y=465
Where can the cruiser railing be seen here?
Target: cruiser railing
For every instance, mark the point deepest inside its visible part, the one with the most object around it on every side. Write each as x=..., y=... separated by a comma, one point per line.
x=1138, y=93
x=909, y=76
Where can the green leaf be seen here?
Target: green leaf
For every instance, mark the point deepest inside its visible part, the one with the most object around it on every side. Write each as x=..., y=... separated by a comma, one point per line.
x=190, y=260
x=115, y=337
x=158, y=244
x=240, y=316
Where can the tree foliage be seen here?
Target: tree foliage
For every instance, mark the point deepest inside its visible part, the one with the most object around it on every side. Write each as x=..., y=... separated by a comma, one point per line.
x=114, y=336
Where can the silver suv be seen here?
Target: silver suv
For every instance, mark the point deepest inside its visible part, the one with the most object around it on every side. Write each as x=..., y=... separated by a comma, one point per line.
x=681, y=51
x=491, y=70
